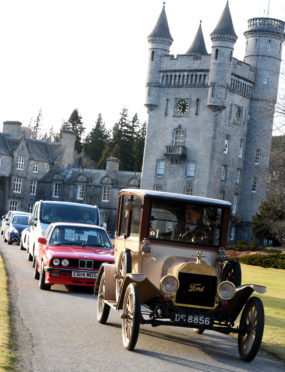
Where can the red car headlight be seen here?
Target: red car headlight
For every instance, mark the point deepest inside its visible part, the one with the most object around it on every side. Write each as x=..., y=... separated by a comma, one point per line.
x=65, y=262
x=56, y=261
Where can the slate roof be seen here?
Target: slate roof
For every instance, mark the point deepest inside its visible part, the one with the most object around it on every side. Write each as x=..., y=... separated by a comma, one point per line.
x=198, y=46
x=39, y=150
x=94, y=176
x=161, y=29
x=4, y=147
x=225, y=25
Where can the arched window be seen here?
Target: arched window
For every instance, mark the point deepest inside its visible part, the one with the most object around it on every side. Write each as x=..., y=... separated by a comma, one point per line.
x=152, y=55
x=178, y=136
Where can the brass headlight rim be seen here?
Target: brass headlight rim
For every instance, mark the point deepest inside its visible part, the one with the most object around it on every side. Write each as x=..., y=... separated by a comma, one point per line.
x=218, y=290
x=169, y=276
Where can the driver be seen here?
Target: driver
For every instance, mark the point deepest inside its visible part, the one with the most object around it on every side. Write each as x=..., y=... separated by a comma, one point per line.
x=194, y=228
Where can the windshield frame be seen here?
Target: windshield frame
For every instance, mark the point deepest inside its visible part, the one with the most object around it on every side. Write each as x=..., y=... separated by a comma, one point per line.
x=215, y=243
x=73, y=214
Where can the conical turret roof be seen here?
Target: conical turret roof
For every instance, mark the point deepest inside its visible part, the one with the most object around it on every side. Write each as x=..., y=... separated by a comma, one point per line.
x=161, y=29
x=225, y=26
x=198, y=46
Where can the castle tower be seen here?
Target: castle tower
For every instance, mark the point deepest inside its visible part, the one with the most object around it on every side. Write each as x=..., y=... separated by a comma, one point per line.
x=265, y=37
x=223, y=40
x=160, y=41
x=210, y=115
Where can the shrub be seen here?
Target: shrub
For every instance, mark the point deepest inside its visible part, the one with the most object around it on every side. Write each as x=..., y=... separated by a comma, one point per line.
x=276, y=260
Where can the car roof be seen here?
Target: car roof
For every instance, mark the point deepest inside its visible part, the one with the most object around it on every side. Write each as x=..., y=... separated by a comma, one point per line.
x=68, y=203
x=75, y=224
x=179, y=197
x=21, y=214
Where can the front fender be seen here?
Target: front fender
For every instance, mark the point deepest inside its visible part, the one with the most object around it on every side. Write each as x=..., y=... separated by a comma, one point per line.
x=147, y=289
x=109, y=270
x=243, y=292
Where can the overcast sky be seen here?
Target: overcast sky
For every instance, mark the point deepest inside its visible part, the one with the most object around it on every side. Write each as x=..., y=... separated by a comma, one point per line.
x=58, y=55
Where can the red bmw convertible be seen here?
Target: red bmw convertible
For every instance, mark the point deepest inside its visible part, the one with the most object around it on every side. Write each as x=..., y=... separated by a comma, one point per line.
x=71, y=254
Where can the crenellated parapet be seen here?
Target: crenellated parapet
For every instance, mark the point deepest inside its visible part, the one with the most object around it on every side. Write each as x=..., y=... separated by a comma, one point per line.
x=262, y=25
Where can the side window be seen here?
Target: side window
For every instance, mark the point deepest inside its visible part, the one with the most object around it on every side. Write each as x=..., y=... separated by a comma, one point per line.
x=123, y=216
x=136, y=215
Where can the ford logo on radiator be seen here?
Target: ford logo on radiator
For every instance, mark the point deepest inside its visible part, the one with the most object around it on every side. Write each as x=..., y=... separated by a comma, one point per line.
x=196, y=287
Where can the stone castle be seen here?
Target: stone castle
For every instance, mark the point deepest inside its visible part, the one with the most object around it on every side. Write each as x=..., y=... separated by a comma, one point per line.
x=210, y=115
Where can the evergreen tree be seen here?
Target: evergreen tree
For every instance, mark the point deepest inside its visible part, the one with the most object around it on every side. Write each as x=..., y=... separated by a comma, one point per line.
x=127, y=143
x=269, y=222
x=96, y=141
x=75, y=125
x=139, y=147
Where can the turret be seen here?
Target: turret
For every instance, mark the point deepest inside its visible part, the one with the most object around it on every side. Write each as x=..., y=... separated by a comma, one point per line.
x=160, y=41
x=265, y=37
x=223, y=40
x=198, y=46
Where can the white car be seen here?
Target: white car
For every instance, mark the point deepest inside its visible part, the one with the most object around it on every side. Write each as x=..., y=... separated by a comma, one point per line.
x=46, y=212
x=24, y=242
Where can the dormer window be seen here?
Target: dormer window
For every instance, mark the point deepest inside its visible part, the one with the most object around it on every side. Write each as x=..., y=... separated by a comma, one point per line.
x=106, y=193
x=20, y=163
x=35, y=167
x=81, y=192
x=56, y=189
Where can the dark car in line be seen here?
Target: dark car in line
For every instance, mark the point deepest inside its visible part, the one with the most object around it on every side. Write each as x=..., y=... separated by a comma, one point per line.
x=14, y=227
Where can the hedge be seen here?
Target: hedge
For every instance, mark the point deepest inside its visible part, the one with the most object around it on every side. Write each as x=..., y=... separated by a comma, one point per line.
x=275, y=261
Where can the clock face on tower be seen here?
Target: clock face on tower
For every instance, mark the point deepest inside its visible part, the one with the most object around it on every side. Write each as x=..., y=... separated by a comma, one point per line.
x=182, y=107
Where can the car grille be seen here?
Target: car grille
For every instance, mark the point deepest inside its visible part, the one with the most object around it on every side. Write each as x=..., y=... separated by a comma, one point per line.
x=196, y=290
x=84, y=264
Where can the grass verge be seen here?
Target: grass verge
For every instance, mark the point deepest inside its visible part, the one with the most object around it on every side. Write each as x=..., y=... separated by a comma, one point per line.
x=7, y=356
x=274, y=305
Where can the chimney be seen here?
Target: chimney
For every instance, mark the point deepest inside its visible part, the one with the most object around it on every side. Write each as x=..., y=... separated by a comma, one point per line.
x=68, y=142
x=112, y=164
x=12, y=128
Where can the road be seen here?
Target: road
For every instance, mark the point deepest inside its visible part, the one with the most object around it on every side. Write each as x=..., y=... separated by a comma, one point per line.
x=56, y=330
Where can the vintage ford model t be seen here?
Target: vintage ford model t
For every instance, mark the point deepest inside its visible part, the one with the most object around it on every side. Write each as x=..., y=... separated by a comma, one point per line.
x=171, y=269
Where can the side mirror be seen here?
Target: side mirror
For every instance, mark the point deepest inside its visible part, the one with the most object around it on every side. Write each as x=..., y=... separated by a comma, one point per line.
x=42, y=240
x=32, y=221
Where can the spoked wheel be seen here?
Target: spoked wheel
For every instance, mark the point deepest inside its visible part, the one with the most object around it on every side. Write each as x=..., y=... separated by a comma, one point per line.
x=103, y=309
x=251, y=329
x=232, y=272
x=131, y=316
x=124, y=267
x=42, y=282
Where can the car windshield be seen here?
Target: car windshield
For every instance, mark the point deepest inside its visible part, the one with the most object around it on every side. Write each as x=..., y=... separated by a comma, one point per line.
x=51, y=212
x=80, y=236
x=185, y=222
x=21, y=220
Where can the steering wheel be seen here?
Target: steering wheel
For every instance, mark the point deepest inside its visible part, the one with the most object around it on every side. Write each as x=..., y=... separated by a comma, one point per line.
x=196, y=236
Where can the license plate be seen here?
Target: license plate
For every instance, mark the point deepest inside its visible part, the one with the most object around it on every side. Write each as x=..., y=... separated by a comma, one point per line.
x=192, y=319
x=84, y=274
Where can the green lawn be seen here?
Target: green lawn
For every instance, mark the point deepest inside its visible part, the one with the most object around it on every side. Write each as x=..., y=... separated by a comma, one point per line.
x=7, y=357
x=274, y=305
